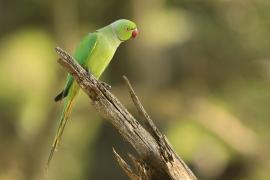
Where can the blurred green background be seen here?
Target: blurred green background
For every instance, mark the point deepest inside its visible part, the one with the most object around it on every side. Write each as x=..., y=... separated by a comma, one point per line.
x=201, y=68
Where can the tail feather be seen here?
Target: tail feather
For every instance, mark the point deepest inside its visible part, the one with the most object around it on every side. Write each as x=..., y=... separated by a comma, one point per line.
x=61, y=127
x=61, y=95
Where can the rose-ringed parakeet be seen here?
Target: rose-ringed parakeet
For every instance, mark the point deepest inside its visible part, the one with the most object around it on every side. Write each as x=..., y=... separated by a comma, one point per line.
x=93, y=53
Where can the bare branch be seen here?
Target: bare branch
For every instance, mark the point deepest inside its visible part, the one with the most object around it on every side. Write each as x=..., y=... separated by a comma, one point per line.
x=157, y=159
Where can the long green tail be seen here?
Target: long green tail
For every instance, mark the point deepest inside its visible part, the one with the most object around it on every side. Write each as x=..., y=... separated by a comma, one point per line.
x=63, y=119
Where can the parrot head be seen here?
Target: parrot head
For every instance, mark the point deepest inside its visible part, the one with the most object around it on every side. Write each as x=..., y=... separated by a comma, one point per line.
x=124, y=29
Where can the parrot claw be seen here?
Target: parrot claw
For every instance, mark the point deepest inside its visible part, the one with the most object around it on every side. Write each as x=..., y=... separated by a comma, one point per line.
x=88, y=72
x=107, y=86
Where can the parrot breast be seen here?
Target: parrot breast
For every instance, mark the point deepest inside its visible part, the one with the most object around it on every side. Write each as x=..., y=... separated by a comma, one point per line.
x=101, y=56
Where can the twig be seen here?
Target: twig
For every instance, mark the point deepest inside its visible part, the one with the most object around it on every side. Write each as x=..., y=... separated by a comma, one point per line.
x=158, y=160
x=148, y=121
x=125, y=166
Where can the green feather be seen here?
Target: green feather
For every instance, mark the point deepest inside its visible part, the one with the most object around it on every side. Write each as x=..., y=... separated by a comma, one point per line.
x=82, y=52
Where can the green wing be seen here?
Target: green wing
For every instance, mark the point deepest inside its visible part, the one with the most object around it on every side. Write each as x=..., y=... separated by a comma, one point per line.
x=85, y=48
x=82, y=52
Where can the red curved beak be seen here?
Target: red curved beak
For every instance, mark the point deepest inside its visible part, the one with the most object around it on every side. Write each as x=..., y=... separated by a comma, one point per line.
x=135, y=32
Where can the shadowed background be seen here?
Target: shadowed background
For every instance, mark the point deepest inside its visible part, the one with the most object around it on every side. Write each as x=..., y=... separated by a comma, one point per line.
x=201, y=68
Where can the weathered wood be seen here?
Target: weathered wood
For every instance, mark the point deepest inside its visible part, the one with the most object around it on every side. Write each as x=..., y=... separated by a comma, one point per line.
x=156, y=158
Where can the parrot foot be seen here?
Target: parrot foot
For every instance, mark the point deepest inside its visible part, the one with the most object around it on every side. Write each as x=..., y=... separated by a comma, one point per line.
x=107, y=86
x=88, y=72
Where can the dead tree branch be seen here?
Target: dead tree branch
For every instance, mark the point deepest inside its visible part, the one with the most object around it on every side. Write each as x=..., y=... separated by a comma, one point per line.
x=157, y=160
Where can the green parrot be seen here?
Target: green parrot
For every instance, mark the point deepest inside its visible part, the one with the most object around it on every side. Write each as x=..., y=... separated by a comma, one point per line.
x=93, y=53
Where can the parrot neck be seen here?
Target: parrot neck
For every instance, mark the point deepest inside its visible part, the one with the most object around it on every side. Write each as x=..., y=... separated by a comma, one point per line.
x=110, y=34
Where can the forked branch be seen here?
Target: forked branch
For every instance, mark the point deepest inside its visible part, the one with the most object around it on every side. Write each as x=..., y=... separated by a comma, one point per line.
x=156, y=159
